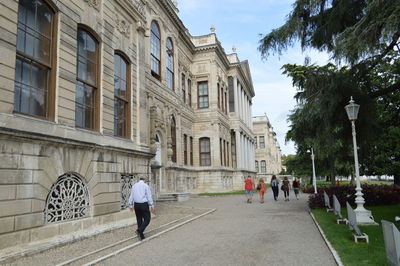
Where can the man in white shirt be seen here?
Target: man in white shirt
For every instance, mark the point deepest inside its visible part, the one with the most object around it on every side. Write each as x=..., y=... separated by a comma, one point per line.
x=140, y=200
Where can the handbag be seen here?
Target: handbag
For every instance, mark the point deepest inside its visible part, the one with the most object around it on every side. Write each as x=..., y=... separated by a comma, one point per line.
x=258, y=186
x=282, y=188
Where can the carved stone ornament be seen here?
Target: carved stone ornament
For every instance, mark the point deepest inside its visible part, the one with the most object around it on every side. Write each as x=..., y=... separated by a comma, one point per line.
x=123, y=26
x=139, y=5
x=93, y=3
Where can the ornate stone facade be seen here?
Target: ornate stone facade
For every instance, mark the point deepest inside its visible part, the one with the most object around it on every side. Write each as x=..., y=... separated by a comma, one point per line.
x=268, y=160
x=111, y=108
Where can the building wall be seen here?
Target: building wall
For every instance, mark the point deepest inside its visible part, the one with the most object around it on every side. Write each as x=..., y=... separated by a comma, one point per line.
x=39, y=152
x=271, y=152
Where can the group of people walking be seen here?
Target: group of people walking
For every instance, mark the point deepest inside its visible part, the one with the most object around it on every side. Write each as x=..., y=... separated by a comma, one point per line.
x=285, y=187
x=141, y=201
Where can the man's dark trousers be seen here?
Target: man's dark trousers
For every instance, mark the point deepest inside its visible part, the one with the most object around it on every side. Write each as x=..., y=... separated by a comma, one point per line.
x=142, y=215
x=275, y=189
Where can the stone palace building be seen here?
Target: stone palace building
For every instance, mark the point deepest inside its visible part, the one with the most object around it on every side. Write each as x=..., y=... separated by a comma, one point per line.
x=95, y=94
x=268, y=155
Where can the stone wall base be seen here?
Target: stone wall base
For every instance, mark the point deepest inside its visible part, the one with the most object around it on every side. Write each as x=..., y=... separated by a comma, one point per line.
x=35, y=240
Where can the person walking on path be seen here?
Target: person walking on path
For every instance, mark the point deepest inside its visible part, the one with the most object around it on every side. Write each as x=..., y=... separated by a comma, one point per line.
x=261, y=189
x=249, y=186
x=285, y=188
x=275, y=187
x=140, y=200
x=296, y=188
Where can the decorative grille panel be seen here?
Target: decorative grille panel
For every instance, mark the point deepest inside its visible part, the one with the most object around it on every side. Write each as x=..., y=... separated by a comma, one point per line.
x=68, y=199
x=127, y=181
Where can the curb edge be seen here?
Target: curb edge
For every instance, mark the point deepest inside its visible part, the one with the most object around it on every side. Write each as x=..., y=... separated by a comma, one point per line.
x=329, y=245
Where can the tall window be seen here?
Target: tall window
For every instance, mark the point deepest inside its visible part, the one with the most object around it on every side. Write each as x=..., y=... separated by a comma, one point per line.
x=190, y=92
x=205, y=152
x=34, y=61
x=121, y=96
x=227, y=154
x=224, y=153
x=170, y=64
x=256, y=166
x=203, y=94
x=221, y=152
x=185, y=161
x=262, y=142
x=155, y=44
x=263, y=167
x=191, y=150
x=173, y=137
x=183, y=85
x=219, y=99
x=87, y=80
x=222, y=100
x=226, y=105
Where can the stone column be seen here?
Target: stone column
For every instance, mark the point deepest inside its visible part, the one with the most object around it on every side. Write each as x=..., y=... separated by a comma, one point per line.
x=235, y=93
x=238, y=155
x=251, y=116
x=244, y=107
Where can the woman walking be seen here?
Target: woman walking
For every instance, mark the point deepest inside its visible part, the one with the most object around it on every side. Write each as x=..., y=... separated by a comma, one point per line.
x=296, y=188
x=261, y=189
x=285, y=188
x=275, y=187
x=249, y=189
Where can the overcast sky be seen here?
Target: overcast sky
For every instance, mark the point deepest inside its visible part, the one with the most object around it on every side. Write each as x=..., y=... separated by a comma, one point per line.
x=239, y=23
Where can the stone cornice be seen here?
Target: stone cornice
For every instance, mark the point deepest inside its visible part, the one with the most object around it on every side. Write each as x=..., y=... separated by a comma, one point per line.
x=135, y=8
x=183, y=32
x=248, y=82
x=217, y=48
x=65, y=141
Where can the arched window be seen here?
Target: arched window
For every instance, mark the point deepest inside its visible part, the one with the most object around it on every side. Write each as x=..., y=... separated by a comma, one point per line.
x=155, y=44
x=68, y=199
x=87, y=80
x=256, y=166
x=205, y=152
x=173, y=137
x=34, y=66
x=170, y=64
x=121, y=96
x=263, y=167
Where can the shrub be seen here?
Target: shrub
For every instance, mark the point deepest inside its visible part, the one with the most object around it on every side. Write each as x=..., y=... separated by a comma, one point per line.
x=373, y=195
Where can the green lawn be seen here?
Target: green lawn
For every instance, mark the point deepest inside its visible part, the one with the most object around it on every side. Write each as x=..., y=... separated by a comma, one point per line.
x=342, y=240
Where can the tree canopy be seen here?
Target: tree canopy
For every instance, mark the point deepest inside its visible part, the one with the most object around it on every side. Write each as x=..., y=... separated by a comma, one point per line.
x=364, y=37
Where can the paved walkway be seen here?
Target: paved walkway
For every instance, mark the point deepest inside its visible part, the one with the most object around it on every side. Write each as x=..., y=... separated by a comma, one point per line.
x=273, y=233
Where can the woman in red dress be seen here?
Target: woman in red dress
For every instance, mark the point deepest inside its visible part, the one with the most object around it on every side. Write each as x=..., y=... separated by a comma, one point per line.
x=261, y=189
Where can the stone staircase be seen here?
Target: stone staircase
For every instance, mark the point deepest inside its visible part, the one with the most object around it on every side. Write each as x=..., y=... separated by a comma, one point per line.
x=167, y=198
x=170, y=197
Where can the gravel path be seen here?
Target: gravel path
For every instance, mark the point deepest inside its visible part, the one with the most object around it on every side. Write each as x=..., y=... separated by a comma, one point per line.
x=273, y=233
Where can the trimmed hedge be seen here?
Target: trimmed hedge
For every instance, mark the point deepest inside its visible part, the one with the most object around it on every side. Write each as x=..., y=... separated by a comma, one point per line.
x=373, y=195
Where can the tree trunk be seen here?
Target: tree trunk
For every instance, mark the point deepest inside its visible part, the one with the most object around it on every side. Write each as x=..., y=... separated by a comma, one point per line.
x=352, y=181
x=397, y=179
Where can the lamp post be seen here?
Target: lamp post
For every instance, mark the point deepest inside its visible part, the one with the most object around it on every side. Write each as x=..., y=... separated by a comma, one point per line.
x=363, y=216
x=311, y=150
